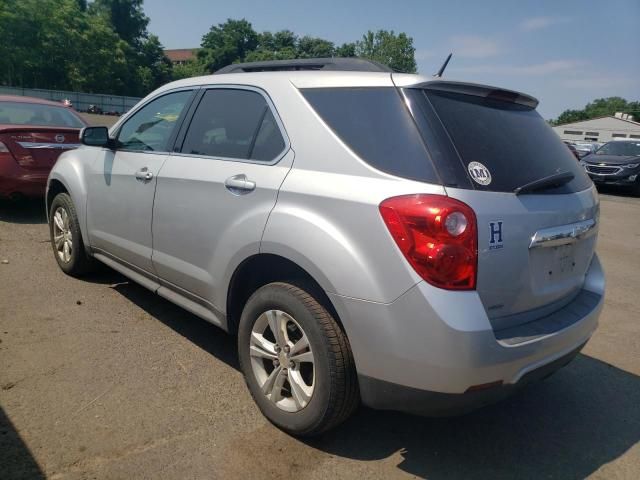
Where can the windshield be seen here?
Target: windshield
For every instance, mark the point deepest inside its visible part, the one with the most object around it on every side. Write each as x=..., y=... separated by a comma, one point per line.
x=501, y=144
x=622, y=149
x=18, y=113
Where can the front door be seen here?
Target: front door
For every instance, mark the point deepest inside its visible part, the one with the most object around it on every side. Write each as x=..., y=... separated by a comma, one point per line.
x=215, y=194
x=122, y=181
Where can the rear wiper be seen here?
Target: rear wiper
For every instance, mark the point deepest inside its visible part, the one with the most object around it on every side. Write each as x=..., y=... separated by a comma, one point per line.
x=555, y=180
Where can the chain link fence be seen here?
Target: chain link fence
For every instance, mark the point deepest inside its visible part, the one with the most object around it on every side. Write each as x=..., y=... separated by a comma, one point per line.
x=108, y=104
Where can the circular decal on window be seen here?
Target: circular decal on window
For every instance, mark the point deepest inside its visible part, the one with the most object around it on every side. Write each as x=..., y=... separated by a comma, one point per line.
x=479, y=173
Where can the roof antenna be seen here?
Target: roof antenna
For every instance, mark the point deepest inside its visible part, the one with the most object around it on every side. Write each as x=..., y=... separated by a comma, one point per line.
x=444, y=65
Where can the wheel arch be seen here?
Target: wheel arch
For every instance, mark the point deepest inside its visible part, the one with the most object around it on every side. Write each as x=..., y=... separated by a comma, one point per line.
x=263, y=268
x=68, y=176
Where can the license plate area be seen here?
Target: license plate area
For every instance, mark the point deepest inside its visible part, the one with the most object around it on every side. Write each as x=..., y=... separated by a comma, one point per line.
x=553, y=266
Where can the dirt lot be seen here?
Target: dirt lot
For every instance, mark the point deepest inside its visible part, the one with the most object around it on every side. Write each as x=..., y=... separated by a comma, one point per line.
x=96, y=120
x=99, y=378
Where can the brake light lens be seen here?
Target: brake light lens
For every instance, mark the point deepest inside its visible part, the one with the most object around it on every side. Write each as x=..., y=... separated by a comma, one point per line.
x=438, y=235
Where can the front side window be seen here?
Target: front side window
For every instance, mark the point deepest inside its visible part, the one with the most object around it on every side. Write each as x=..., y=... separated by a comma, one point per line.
x=151, y=127
x=234, y=123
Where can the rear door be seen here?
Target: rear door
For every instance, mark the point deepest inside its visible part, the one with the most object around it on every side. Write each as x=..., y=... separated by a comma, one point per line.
x=534, y=247
x=122, y=181
x=215, y=194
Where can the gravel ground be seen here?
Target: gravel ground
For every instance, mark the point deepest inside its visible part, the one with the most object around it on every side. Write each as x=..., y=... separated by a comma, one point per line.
x=99, y=378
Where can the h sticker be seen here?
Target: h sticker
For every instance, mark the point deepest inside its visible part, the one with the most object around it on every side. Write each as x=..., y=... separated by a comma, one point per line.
x=495, y=235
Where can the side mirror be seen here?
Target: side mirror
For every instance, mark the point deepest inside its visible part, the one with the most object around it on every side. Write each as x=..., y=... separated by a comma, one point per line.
x=95, y=136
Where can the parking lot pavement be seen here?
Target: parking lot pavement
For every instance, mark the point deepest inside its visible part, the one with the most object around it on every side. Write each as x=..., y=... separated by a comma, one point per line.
x=100, y=378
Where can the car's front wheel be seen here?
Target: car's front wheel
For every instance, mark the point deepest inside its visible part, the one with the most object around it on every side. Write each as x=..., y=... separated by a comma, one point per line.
x=66, y=238
x=296, y=360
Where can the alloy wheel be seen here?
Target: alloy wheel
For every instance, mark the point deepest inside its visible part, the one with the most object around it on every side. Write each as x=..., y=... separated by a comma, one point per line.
x=282, y=360
x=62, y=236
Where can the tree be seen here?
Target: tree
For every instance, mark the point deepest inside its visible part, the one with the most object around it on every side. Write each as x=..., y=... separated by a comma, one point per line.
x=599, y=108
x=227, y=43
x=386, y=47
x=346, y=50
x=311, y=47
x=127, y=17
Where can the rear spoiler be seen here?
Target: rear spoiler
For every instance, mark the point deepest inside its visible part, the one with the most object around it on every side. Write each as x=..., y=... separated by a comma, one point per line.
x=478, y=90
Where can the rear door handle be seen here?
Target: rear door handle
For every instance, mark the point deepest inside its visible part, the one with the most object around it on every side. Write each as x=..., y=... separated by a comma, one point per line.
x=144, y=174
x=239, y=184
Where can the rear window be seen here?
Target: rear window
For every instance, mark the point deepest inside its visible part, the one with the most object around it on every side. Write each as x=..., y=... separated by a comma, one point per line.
x=376, y=125
x=513, y=142
x=19, y=113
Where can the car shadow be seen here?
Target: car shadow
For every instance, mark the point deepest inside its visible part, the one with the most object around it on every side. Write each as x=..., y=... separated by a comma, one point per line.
x=616, y=191
x=16, y=460
x=24, y=211
x=205, y=335
x=567, y=426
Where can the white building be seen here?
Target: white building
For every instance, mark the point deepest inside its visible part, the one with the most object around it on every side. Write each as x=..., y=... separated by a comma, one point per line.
x=602, y=129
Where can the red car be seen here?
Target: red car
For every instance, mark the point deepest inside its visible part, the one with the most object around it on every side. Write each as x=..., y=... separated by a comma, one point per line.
x=33, y=134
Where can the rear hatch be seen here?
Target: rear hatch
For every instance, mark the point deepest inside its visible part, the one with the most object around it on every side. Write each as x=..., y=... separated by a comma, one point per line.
x=38, y=148
x=536, y=208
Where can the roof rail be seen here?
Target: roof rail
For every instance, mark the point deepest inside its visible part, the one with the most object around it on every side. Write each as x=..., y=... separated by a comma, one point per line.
x=351, y=64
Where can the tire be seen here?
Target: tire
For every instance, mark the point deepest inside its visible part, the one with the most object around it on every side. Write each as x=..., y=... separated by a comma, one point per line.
x=334, y=393
x=74, y=261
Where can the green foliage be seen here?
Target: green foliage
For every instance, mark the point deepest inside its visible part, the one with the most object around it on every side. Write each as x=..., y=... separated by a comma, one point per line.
x=126, y=16
x=599, y=108
x=103, y=46
x=227, y=43
x=192, y=68
x=236, y=41
x=63, y=44
x=390, y=49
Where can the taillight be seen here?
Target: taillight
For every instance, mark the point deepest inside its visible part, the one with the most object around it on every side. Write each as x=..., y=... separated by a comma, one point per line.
x=438, y=235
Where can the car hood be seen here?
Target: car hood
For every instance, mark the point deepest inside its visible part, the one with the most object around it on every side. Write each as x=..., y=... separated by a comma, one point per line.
x=611, y=159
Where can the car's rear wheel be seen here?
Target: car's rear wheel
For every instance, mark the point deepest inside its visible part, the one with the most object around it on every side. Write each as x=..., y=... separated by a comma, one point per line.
x=296, y=360
x=66, y=238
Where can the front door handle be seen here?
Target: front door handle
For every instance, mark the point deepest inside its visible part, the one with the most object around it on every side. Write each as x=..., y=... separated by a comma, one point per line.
x=239, y=184
x=144, y=174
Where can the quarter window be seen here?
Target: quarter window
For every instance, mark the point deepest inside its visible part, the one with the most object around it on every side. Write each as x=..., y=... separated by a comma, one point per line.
x=234, y=123
x=151, y=127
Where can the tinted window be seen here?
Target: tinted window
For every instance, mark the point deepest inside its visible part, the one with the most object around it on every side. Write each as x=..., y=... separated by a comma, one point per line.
x=151, y=127
x=19, y=113
x=232, y=123
x=513, y=141
x=376, y=125
x=269, y=142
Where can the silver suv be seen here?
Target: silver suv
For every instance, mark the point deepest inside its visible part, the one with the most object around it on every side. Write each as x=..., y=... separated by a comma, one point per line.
x=407, y=242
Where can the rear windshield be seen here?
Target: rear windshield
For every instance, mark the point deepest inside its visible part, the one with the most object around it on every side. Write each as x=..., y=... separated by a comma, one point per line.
x=375, y=123
x=18, y=113
x=512, y=143
x=622, y=149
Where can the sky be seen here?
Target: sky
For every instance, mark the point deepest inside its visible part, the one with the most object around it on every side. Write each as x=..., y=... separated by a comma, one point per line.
x=565, y=53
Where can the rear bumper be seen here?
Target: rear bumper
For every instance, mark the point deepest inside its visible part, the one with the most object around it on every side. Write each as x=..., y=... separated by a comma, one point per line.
x=17, y=180
x=383, y=395
x=431, y=348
